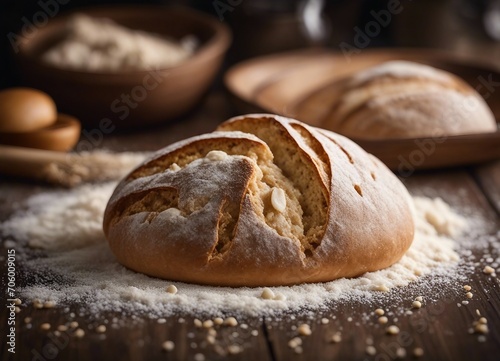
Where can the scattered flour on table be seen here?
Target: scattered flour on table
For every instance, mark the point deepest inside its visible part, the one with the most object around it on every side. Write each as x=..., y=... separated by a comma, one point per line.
x=67, y=226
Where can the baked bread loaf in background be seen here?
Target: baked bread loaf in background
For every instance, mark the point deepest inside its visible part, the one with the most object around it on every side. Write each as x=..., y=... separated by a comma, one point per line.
x=262, y=201
x=401, y=99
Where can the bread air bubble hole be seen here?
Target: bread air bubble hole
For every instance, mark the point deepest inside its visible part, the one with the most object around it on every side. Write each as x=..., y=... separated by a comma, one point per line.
x=358, y=189
x=308, y=253
x=374, y=176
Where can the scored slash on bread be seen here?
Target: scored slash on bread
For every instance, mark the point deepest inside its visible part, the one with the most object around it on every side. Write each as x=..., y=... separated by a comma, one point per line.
x=263, y=200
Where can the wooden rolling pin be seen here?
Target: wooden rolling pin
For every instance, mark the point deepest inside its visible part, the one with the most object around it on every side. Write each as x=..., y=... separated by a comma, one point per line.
x=66, y=169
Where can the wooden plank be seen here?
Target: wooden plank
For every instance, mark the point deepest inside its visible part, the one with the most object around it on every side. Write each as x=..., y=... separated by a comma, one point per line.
x=488, y=177
x=139, y=339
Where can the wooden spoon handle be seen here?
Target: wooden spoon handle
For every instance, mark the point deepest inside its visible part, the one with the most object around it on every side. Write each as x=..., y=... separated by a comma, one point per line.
x=27, y=162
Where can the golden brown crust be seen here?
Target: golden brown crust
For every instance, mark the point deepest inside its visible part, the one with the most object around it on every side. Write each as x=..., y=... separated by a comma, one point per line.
x=201, y=210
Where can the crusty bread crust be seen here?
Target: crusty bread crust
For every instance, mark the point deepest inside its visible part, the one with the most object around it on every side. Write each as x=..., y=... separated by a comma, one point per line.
x=401, y=99
x=262, y=201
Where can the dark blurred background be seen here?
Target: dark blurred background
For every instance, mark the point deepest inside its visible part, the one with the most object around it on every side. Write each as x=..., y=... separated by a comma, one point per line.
x=263, y=26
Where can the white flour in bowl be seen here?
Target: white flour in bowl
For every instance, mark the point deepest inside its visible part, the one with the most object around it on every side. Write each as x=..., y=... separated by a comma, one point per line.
x=66, y=225
x=101, y=45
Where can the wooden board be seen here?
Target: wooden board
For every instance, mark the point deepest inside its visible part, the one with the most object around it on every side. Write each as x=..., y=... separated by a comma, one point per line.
x=304, y=85
x=440, y=328
x=488, y=177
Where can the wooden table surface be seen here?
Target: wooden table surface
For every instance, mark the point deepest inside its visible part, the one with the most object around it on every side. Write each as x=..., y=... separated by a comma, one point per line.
x=441, y=328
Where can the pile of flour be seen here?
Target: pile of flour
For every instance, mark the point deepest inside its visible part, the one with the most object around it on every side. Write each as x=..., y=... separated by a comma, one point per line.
x=101, y=45
x=67, y=227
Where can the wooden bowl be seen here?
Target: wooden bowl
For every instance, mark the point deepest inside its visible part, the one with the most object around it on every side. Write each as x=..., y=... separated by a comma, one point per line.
x=61, y=136
x=302, y=85
x=99, y=99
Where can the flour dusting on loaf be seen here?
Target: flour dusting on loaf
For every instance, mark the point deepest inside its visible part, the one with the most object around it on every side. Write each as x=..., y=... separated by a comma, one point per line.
x=264, y=200
x=401, y=69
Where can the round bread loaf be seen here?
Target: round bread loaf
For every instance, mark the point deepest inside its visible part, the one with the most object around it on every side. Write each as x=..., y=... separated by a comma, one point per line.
x=400, y=99
x=262, y=201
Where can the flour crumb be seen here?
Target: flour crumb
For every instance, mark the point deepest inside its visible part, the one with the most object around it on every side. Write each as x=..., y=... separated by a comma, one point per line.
x=168, y=346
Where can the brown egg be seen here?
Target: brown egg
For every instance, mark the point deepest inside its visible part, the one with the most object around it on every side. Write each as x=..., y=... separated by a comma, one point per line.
x=60, y=136
x=25, y=110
